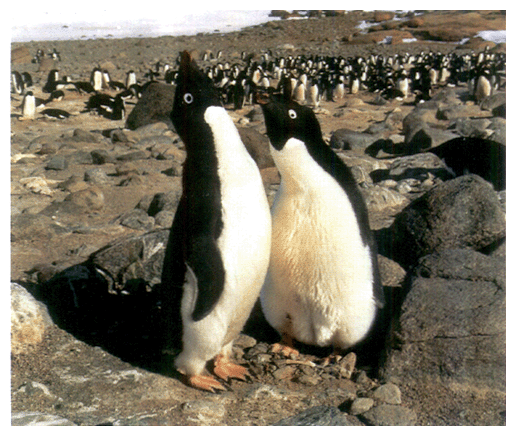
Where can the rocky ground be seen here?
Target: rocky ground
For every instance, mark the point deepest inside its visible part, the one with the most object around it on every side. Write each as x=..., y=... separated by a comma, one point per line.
x=85, y=191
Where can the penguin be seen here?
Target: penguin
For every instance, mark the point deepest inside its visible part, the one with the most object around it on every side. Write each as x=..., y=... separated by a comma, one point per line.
x=323, y=286
x=17, y=84
x=52, y=81
x=29, y=106
x=211, y=278
x=96, y=79
x=58, y=114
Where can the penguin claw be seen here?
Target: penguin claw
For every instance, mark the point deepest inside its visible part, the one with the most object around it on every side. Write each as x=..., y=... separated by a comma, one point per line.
x=225, y=369
x=205, y=383
x=283, y=349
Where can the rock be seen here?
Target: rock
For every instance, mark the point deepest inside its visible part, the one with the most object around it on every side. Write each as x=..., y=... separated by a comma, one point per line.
x=345, y=139
x=155, y=105
x=134, y=155
x=150, y=142
x=29, y=320
x=96, y=176
x=388, y=393
x=319, y=415
x=34, y=227
x=384, y=200
x=101, y=157
x=462, y=213
x=257, y=146
x=391, y=273
x=81, y=135
x=458, y=111
x=137, y=219
x=38, y=419
x=470, y=127
x=57, y=163
x=380, y=16
x=361, y=405
x=493, y=101
x=134, y=258
x=419, y=166
x=452, y=322
x=91, y=199
x=347, y=365
x=389, y=415
x=204, y=412
x=164, y=201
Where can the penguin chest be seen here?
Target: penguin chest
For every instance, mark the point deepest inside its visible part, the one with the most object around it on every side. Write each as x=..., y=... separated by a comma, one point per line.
x=319, y=285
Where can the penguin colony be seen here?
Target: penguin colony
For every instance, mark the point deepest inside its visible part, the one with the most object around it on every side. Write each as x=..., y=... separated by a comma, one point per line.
x=313, y=263
x=306, y=79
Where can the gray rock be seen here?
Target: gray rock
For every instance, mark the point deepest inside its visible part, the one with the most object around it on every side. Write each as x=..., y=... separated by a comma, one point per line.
x=319, y=415
x=38, y=419
x=96, y=176
x=57, y=163
x=155, y=105
x=388, y=393
x=257, y=146
x=458, y=111
x=29, y=320
x=34, y=227
x=452, y=322
x=164, y=201
x=389, y=415
x=150, y=142
x=134, y=258
x=462, y=213
x=137, y=219
x=361, y=405
x=133, y=155
x=81, y=135
x=493, y=101
x=345, y=139
x=101, y=157
x=164, y=219
x=80, y=157
x=471, y=127
x=204, y=412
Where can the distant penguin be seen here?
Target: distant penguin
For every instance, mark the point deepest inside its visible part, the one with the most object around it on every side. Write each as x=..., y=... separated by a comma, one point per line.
x=17, y=85
x=96, y=79
x=323, y=286
x=52, y=81
x=29, y=106
x=57, y=114
x=219, y=246
x=130, y=79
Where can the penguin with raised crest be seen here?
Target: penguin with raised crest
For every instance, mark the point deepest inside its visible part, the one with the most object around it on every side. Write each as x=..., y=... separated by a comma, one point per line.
x=322, y=286
x=219, y=245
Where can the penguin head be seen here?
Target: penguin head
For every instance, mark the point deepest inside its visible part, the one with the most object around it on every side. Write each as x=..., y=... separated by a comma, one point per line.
x=194, y=93
x=286, y=119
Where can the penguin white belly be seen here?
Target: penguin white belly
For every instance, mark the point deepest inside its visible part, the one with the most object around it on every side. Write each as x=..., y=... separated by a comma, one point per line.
x=244, y=245
x=319, y=285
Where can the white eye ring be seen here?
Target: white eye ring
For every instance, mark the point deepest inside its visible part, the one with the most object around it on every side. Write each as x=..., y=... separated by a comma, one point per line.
x=188, y=98
x=292, y=114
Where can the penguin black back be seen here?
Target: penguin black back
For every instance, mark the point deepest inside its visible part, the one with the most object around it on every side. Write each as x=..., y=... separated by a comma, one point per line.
x=198, y=220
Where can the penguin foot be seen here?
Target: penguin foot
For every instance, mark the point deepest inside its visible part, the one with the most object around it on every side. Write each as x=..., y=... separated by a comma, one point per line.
x=284, y=349
x=204, y=382
x=225, y=369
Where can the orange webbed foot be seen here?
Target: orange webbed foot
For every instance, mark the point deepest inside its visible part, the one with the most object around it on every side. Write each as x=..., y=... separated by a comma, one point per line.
x=284, y=349
x=225, y=369
x=204, y=382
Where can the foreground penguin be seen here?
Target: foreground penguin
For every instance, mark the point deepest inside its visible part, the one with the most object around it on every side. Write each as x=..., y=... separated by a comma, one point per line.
x=219, y=246
x=323, y=286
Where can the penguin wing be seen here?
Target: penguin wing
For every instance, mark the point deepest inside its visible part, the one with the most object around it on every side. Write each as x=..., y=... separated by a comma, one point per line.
x=191, y=243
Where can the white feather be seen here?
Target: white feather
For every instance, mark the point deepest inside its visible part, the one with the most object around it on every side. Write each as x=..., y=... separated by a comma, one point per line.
x=319, y=282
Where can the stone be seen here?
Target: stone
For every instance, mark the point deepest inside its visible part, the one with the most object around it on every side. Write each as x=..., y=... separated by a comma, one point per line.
x=38, y=419
x=204, y=412
x=137, y=219
x=81, y=135
x=96, y=176
x=345, y=139
x=29, y=320
x=361, y=405
x=388, y=393
x=390, y=415
x=452, y=323
x=347, y=365
x=461, y=213
x=257, y=145
x=57, y=163
x=493, y=101
x=164, y=201
x=91, y=199
x=391, y=273
x=155, y=105
x=29, y=226
x=101, y=157
x=318, y=415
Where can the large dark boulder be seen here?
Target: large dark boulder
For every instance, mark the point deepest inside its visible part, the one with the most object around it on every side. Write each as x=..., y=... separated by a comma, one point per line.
x=462, y=213
x=154, y=106
x=451, y=327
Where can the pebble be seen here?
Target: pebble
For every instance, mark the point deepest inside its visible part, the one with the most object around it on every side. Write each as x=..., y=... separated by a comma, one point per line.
x=57, y=163
x=96, y=175
x=137, y=219
x=204, y=412
x=318, y=415
x=361, y=405
x=388, y=393
x=347, y=365
x=390, y=415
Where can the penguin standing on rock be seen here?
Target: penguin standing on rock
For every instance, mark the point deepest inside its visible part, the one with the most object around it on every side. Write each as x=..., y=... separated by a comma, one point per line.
x=323, y=286
x=219, y=246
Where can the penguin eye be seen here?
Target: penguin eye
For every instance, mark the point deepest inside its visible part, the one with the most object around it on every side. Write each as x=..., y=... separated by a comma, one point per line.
x=188, y=98
x=292, y=114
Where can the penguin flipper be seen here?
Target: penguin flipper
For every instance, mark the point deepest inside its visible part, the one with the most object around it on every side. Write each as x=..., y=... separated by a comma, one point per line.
x=209, y=275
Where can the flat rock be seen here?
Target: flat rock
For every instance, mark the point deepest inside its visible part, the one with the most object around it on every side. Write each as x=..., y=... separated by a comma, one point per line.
x=389, y=415
x=319, y=415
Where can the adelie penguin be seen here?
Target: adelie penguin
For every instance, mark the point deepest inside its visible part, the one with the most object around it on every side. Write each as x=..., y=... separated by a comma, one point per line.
x=219, y=245
x=322, y=287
